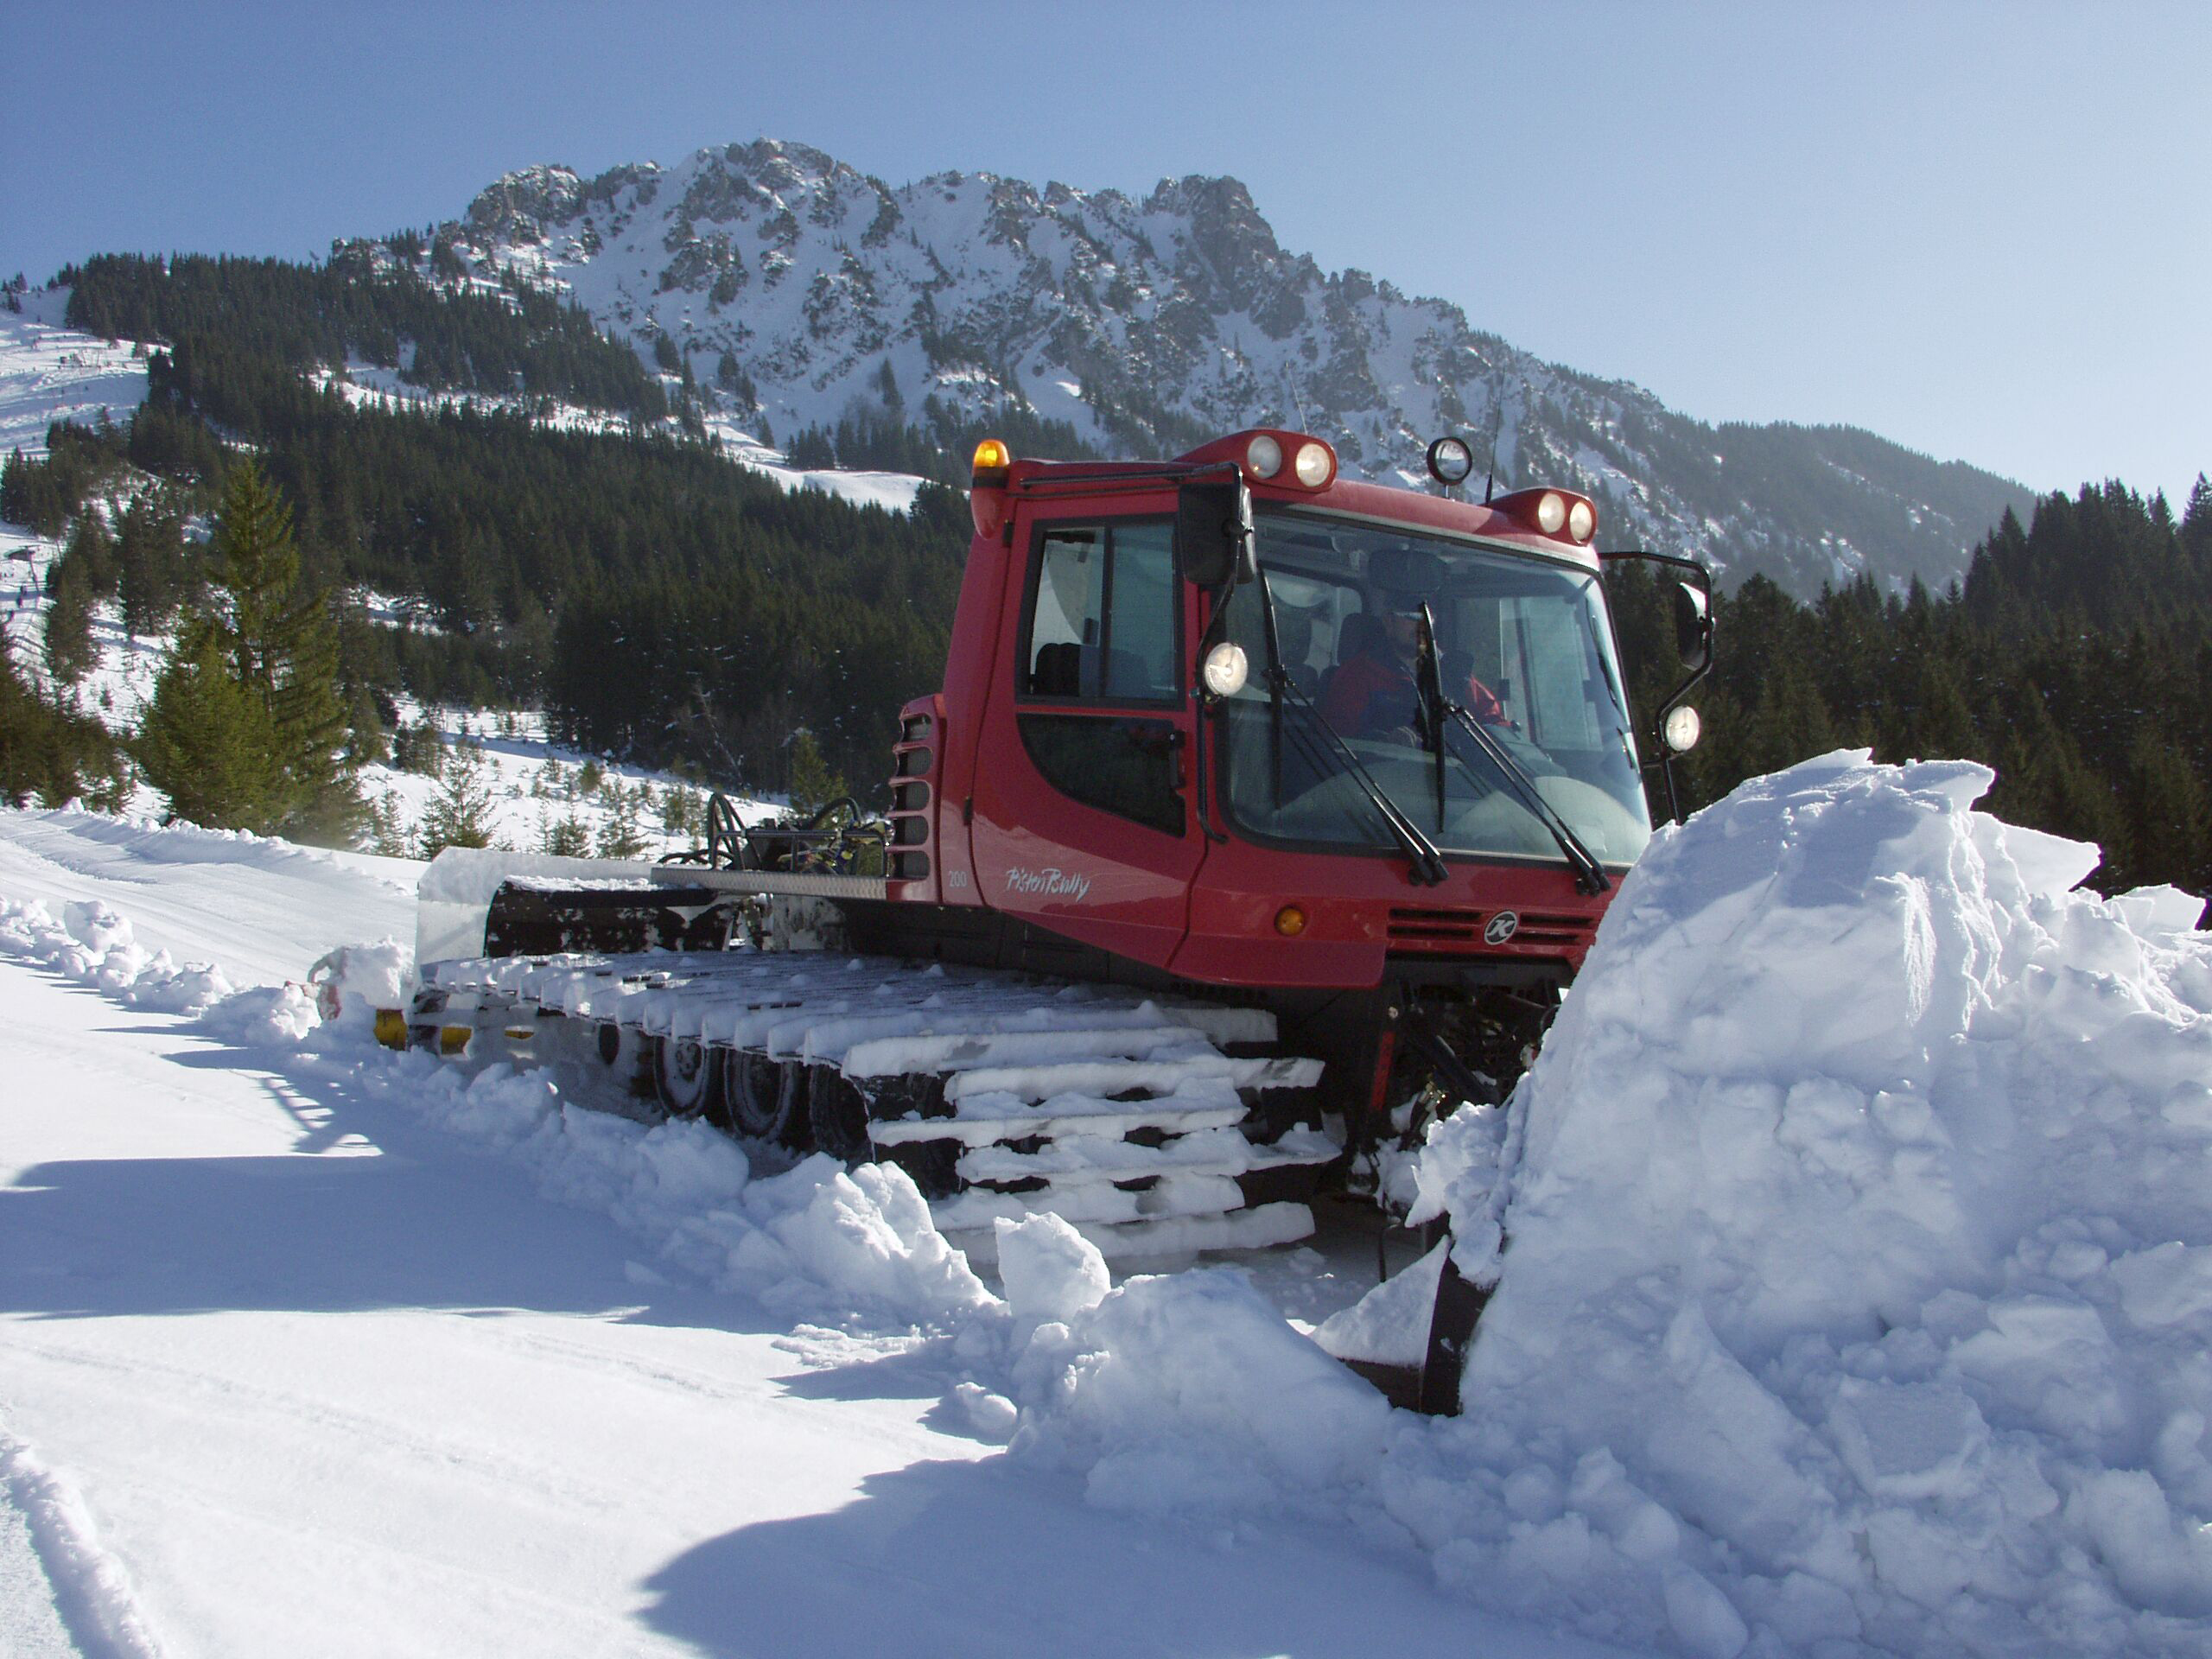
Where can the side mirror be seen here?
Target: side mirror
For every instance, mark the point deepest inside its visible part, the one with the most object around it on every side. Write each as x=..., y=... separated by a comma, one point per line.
x=1213, y=532
x=1693, y=628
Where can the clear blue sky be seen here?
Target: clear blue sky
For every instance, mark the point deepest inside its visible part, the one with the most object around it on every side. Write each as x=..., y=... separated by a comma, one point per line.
x=1984, y=230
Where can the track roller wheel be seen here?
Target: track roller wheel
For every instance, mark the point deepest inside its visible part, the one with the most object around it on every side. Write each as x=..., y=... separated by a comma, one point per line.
x=767, y=1097
x=689, y=1079
x=838, y=1112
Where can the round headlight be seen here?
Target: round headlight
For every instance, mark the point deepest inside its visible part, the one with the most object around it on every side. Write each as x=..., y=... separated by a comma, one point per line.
x=1264, y=456
x=1551, y=513
x=1581, y=521
x=1450, y=460
x=1315, y=464
x=1225, y=670
x=1681, y=732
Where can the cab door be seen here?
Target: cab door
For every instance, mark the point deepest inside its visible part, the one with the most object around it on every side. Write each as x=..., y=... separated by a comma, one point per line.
x=1084, y=820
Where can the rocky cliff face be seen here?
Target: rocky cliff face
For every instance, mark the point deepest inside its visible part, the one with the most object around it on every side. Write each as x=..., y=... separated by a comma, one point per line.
x=799, y=289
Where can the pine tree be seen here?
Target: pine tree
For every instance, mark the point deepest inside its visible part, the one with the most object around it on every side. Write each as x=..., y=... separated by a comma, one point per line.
x=812, y=783
x=388, y=835
x=415, y=748
x=50, y=754
x=208, y=743
x=368, y=745
x=283, y=646
x=69, y=648
x=151, y=568
x=620, y=835
x=680, y=810
x=90, y=555
x=565, y=837
x=461, y=815
x=2170, y=817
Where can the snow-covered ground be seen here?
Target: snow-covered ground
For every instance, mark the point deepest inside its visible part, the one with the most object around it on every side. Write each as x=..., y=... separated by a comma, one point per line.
x=1850, y=1245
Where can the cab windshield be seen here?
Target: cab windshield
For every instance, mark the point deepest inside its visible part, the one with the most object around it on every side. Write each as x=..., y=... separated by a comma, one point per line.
x=1522, y=645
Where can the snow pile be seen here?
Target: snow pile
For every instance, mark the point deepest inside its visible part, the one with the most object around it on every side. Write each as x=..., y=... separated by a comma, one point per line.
x=1188, y=1394
x=1859, y=1278
x=92, y=944
x=816, y=1240
x=353, y=982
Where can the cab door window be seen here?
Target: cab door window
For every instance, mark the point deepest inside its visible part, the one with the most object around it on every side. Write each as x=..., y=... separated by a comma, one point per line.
x=1102, y=638
x=1102, y=622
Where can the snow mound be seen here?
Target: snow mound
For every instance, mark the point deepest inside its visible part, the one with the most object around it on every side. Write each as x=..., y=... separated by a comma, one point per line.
x=1188, y=1393
x=94, y=945
x=1856, y=1279
x=818, y=1240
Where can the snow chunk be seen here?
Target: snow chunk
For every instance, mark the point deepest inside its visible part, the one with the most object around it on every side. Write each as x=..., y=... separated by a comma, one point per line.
x=1190, y=1393
x=1049, y=1270
x=265, y=1016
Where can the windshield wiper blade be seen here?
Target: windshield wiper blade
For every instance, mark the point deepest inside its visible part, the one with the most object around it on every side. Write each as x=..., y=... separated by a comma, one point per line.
x=1275, y=690
x=1436, y=709
x=1589, y=875
x=1428, y=692
x=1429, y=868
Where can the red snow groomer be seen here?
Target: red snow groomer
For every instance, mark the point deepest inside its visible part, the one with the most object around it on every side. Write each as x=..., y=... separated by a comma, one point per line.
x=1263, y=813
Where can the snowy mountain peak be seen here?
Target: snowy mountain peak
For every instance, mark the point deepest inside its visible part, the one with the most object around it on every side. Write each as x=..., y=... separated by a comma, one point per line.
x=798, y=288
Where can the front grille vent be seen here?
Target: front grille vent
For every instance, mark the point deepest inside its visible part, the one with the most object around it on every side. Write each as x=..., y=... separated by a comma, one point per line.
x=1435, y=927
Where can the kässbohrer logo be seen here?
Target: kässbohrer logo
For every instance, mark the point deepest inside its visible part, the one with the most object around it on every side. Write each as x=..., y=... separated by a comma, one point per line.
x=1501, y=927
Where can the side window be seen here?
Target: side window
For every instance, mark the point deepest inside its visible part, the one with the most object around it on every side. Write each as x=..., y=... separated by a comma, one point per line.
x=1103, y=628
x=1103, y=622
x=1141, y=615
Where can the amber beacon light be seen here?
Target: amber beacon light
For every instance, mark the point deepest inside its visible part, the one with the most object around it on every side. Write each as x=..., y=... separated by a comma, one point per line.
x=992, y=460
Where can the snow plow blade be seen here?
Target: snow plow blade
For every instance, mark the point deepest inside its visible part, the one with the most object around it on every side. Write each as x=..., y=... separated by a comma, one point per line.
x=1409, y=1337
x=478, y=902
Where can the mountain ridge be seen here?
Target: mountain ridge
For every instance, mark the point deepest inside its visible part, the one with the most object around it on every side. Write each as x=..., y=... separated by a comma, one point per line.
x=792, y=288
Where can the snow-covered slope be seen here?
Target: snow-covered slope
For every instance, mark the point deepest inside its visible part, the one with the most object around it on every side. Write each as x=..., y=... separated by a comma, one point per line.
x=50, y=372
x=795, y=284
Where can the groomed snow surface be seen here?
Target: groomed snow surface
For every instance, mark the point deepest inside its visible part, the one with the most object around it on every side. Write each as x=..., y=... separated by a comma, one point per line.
x=1854, y=1296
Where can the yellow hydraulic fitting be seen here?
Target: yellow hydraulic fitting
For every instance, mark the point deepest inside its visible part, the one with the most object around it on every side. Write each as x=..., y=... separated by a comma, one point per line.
x=391, y=1027
x=454, y=1039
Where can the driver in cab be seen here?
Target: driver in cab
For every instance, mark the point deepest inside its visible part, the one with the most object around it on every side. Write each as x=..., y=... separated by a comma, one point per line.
x=1372, y=692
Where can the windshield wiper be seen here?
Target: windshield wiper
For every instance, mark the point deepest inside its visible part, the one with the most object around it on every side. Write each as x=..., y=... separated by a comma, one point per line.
x=1589, y=875
x=1436, y=709
x=1428, y=868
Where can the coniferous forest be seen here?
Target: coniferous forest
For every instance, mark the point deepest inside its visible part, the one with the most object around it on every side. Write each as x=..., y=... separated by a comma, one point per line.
x=665, y=606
